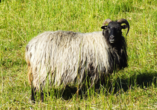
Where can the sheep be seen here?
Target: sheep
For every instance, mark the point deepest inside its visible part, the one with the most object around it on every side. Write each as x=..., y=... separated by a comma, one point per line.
x=69, y=58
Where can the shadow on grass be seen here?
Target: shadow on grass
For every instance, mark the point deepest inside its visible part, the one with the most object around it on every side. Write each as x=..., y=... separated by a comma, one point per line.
x=138, y=79
x=113, y=85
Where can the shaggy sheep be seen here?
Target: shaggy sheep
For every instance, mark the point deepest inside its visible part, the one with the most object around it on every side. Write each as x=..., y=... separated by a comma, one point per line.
x=68, y=58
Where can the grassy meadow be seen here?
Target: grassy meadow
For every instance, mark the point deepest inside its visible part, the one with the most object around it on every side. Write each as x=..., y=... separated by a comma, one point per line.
x=134, y=87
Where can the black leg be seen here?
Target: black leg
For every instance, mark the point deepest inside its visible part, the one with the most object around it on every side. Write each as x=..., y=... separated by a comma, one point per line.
x=42, y=96
x=33, y=93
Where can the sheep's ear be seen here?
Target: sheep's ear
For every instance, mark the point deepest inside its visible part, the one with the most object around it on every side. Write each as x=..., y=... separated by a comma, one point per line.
x=103, y=27
x=124, y=26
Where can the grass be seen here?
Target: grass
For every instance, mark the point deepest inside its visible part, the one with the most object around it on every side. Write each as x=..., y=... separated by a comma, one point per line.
x=133, y=88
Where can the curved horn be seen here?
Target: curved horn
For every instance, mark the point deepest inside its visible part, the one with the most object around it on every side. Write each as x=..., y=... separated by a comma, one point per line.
x=106, y=22
x=126, y=22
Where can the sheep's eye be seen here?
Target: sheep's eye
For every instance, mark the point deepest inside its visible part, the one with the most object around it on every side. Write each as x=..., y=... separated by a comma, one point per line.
x=108, y=28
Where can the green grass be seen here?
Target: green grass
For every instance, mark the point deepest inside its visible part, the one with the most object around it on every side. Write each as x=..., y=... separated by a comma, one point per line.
x=133, y=88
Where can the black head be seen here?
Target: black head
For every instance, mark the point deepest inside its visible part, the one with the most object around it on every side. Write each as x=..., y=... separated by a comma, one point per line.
x=113, y=31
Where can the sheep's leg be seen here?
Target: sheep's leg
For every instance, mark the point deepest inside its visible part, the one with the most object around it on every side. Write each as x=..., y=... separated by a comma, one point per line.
x=30, y=79
x=91, y=86
x=33, y=94
x=42, y=96
x=77, y=92
x=79, y=87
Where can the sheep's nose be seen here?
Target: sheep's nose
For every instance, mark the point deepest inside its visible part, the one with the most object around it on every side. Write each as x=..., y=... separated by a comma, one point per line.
x=112, y=37
x=112, y=40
